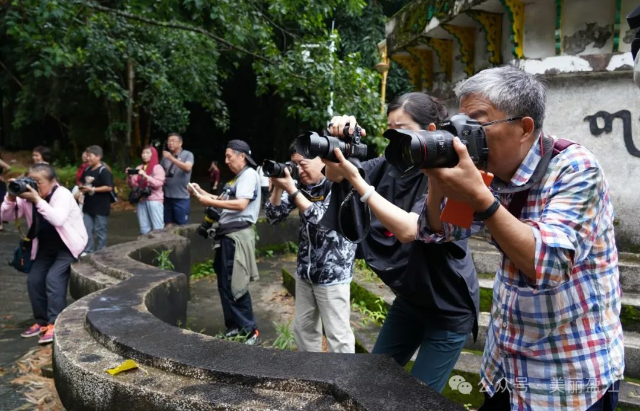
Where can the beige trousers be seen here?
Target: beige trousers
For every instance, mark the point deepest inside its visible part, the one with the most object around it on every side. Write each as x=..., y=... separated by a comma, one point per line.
x=323, y=305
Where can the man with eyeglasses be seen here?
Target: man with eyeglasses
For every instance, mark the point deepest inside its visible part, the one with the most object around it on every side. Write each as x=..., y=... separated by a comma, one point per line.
x=555, y=338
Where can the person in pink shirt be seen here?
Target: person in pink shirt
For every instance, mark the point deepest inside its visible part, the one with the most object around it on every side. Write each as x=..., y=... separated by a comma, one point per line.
x=147, y=191
x=60, y=237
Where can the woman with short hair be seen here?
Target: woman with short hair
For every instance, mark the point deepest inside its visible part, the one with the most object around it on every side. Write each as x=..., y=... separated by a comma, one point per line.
x=60, y=237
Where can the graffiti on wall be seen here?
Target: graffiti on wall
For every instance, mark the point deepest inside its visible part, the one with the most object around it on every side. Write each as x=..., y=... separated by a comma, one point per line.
x=607, y=121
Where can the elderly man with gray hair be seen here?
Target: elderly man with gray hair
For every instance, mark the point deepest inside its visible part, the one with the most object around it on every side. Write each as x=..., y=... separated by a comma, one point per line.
x=555, y=337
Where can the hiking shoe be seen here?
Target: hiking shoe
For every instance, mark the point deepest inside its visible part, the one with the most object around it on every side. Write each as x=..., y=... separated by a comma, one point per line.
x=234, y=332
x=48, y=336
x=35, y=329
x=253, y=338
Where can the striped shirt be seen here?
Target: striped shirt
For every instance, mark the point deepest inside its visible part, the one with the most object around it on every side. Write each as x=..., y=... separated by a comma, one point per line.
x=557, y=343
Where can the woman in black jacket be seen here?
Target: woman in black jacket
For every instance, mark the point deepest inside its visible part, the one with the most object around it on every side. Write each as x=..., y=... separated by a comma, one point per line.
x=436, y=286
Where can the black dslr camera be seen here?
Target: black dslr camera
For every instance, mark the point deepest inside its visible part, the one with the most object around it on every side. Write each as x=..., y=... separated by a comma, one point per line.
x=272, y=168
x=19, y=185
x=311, y=145
x=434, y=149
x=206, y=230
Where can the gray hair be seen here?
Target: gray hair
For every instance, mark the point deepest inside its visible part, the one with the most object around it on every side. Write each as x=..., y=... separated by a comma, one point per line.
x=511, y=90
x=47, y=169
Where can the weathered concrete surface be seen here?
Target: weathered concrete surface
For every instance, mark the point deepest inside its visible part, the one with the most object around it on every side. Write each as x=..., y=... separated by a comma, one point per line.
x=129, y=320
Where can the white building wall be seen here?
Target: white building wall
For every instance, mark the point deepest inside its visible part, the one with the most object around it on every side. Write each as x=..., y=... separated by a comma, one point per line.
x=570, y=100
x=577, y=14
x=539, y=29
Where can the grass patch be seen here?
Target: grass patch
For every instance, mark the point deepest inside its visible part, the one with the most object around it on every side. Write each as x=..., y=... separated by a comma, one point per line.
x=366, y=272
x=163, y=260
x=203, y=269
x=486, y=298
x=285, y=339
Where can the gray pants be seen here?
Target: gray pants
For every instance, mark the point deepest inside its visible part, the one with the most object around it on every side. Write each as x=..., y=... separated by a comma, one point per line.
x=323, y=305
x=47, y=284
x=95, y=224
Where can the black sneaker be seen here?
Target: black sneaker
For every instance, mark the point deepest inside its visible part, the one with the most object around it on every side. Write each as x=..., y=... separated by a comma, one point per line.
x=234, y=332
x=253, y=338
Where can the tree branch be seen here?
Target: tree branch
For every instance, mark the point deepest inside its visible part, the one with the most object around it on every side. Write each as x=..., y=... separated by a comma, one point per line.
x=14, y=78
x=179, y=27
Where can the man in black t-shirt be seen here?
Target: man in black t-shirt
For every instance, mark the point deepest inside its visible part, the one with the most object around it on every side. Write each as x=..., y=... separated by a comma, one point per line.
x=97, y=185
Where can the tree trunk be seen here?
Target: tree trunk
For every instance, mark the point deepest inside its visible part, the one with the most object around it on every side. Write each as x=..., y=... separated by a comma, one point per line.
x=130, y=81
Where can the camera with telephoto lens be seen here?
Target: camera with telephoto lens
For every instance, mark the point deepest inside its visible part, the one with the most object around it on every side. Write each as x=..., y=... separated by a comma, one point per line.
x=206, y=230
x=409, y=149
x=311, y=145
x=272, y=168
x=19, y=185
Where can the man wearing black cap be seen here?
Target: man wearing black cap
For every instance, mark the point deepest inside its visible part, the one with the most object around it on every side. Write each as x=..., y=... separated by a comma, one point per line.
x=234, y=262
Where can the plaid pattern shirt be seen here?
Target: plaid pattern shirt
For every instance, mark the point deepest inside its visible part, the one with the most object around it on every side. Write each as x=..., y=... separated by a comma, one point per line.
x=557, y=343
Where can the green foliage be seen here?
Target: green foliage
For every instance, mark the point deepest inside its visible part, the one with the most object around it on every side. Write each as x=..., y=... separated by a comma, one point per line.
x=203, y=269
x=367, y=273
x=68, y=61
x=163, y=261
x=268, y=253
x=376, y=315
x=285, y=339
x=292, y=247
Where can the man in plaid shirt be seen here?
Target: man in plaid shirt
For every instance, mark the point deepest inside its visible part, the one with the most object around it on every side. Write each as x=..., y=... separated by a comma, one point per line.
x=555, y=338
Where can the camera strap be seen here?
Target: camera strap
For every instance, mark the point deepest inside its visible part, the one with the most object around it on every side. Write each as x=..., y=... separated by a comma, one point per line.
x=520, y=197
x=32, y=229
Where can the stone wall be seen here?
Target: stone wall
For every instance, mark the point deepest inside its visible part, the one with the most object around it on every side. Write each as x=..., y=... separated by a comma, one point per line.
x=134, y=314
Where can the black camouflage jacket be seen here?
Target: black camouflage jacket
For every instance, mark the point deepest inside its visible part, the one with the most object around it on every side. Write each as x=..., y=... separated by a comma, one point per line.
x=324, y=256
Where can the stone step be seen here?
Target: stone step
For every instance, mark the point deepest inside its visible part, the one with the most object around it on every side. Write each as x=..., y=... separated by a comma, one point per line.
x=486, y=259
x=85, y=279
x=631, y=338
x=628, y=299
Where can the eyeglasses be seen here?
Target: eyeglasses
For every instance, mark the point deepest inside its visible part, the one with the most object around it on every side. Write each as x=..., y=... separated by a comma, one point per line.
x=506, y=120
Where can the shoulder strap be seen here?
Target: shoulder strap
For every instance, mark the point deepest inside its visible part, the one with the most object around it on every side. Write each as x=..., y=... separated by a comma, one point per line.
x=520, y=198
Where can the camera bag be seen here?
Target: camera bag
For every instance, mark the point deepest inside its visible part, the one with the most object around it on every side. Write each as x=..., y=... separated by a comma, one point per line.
x=22, y=254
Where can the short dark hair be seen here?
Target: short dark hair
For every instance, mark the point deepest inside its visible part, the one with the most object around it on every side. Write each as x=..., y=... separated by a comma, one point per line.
x=292, y=148
x=45, y=152
x=176, y=135
x=48, y=169
x=96, y=150
x=422, y=108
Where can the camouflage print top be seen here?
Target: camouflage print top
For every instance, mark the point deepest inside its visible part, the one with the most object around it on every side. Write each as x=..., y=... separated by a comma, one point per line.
x=324, y=256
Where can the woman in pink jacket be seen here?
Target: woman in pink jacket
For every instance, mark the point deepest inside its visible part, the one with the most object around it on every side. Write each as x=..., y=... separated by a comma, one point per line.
x=60, y=237
x=149, y=181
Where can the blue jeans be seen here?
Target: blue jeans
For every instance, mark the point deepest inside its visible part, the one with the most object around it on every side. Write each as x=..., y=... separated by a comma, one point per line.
x=96, y=224
x=150, y=216
x=405, y=330
x=176, y=210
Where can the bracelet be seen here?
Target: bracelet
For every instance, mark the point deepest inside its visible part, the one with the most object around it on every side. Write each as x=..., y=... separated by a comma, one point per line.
x=293, y=195
x=367, y=195
x=483, y=215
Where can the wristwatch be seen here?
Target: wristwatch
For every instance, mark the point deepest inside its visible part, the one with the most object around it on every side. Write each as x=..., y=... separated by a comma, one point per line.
x=483, y=215
x=293, y=195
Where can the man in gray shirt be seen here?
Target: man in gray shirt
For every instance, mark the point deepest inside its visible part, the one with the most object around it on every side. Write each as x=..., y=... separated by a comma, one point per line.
x=177, y=164
x=234, y=261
